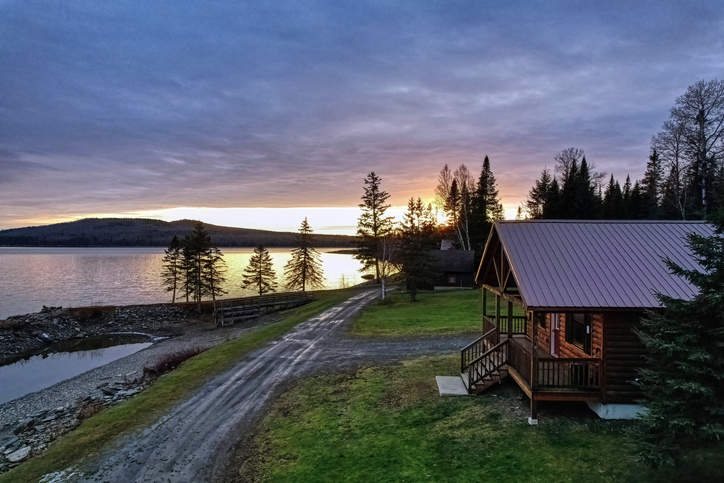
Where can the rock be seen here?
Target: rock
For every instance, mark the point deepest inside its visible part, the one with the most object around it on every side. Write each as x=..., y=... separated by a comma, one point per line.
x=19, y=455
x=23, y=425
x=8, y=442
x=109, y=391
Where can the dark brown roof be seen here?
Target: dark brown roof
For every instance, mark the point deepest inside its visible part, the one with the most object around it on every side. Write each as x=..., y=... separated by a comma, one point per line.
x=597, y=264
x=458, y=261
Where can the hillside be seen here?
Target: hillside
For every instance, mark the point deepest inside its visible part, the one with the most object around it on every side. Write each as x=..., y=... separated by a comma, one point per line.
x=131, y=232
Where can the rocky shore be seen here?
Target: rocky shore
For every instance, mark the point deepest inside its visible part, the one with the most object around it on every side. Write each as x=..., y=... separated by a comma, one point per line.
x=30, y=423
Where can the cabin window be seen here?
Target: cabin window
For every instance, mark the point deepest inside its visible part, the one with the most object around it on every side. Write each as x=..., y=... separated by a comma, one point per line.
x=452, y=279
x=578, y=331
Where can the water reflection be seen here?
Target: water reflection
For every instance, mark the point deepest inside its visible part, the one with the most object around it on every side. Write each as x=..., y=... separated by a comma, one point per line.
x=74, y=277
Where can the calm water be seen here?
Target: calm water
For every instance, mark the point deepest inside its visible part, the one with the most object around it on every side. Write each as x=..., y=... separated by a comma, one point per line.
x=44, y=370
x=74, y=277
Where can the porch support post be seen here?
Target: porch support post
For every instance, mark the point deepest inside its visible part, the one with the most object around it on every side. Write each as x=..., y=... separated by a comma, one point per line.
x=534, y=353
x=510, y=319
x=497, y=311
x=533, y=419
x=485, y=302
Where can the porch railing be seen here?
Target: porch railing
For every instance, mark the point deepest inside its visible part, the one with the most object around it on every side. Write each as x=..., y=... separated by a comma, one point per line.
x=519, y=359
x=518, y=324
x=488, y=364
x=581, y=373
x=477, y=348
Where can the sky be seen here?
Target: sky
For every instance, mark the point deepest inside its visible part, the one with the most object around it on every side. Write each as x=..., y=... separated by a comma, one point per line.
x=257, y=114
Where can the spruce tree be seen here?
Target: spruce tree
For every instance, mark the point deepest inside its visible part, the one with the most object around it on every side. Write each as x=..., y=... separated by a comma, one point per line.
x=486, y=206
x=172, y=270
x=372, y=224
x=684, y=376
x=199, y=266
x=416, y=241
x=305, y=267
x=214, y=269
x=538, y=200
x=259, y=274
x=651, y=187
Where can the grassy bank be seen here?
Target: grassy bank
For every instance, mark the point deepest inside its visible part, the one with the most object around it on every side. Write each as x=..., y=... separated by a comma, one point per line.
x=389, y=424
x=152, y=403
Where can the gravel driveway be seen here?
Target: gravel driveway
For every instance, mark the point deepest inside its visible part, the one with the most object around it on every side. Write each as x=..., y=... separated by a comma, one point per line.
x=194, y=441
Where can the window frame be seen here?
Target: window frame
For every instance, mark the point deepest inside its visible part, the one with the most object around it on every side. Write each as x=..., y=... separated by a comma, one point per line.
x=579, y=333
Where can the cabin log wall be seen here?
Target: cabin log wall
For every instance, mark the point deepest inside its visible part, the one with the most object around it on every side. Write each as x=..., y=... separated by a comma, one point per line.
x=624, y=355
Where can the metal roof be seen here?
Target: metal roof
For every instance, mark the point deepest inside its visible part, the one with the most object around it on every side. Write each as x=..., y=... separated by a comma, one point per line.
x=455, y=260
x=597, y=264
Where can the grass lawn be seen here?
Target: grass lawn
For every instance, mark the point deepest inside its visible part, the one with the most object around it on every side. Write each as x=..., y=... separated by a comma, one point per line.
x=433, y=313
x=389, y=424
x=155, y=401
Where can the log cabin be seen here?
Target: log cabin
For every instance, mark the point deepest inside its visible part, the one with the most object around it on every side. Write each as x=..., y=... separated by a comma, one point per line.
x=568, y=298
x=455, y=269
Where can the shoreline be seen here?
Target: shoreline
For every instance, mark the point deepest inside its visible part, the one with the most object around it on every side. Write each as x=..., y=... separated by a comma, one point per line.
x=28, y=424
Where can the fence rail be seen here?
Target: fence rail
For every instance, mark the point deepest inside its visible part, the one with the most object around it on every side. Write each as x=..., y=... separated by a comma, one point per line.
x=228, y=311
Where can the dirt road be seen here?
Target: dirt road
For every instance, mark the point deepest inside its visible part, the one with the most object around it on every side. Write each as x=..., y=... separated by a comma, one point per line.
x=193, y=442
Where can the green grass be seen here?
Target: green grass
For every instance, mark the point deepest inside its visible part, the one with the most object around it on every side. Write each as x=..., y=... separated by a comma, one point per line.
x=389, y=424
x=433, y=313
x=152, y=403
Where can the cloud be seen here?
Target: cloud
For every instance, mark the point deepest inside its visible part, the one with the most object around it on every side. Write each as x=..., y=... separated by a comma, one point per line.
x=128, y=106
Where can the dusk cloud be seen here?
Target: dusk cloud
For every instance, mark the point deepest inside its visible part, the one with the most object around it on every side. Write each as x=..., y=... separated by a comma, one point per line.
x=108, y=107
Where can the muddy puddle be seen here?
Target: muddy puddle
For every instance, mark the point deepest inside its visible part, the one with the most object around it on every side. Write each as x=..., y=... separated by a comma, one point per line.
x=65, y=360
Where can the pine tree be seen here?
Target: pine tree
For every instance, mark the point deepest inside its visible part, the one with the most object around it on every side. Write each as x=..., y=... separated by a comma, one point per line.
x=684, y=377
x=613, y=201
x=172, y=271
x=214, y=269
x=259, y=274
x=486, y=206
x=202, y=265
x=416, y=241
x=651, y=186
x=372, y=224
x=305, y=267
x=539, y=196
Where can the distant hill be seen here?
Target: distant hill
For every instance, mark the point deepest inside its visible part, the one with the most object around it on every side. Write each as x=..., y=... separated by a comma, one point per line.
x=140, y=232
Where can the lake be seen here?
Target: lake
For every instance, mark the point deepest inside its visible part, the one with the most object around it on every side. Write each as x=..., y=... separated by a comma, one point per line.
x=75, y=277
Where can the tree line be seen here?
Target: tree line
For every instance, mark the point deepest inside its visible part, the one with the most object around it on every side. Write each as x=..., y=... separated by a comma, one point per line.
x=684, y=177
x=194, y=268
x=465, y=211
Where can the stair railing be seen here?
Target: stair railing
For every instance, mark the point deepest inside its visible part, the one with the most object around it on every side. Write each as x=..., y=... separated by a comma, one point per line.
x=487, y=364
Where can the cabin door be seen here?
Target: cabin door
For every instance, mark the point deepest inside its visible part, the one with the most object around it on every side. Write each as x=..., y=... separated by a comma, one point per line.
x=555, y=332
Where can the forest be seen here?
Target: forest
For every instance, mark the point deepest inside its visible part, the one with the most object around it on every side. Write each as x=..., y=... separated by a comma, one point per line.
x=136, y=232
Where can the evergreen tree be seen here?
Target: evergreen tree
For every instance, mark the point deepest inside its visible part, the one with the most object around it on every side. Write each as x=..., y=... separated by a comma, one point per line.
x=684, y=377
x=259, y=274
x=172, y=271
x=416, y=241
x=305, y=267
x=539, y=196
x=202, y=265
x=486, y=206
x=613, y=201
x=214, y=269
x=372, y=224
x=651, y=186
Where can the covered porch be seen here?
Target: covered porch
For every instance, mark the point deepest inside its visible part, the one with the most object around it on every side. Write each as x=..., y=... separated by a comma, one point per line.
x=510, y=346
